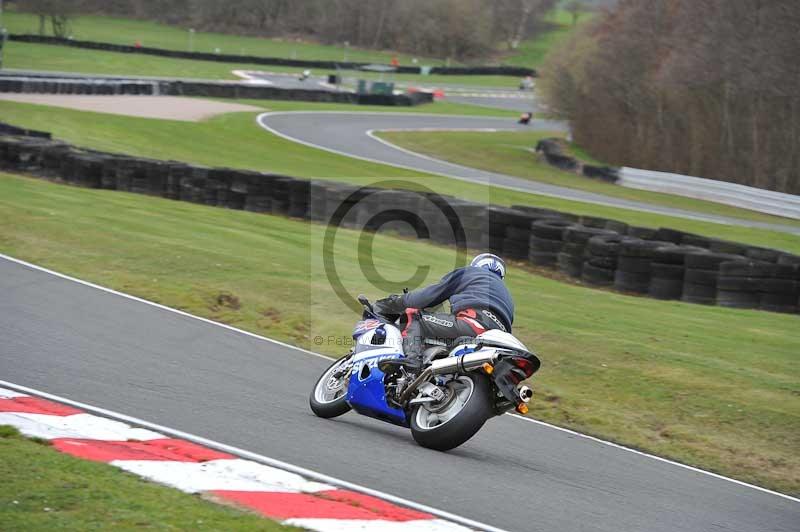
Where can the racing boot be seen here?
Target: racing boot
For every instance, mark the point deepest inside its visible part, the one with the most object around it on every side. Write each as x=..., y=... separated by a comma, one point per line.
x=411, y=363
x=392, y=366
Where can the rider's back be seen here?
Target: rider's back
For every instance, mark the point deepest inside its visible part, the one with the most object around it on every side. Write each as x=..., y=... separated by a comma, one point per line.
x=468, y=287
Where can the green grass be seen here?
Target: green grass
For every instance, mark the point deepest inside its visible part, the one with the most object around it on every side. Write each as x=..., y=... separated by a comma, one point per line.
x=26, y=56
x=511, y=153
x=43, y=489
x=151, y=34
x=440, y=107
x=709, y=386
x=234, y=140
x=532, y=52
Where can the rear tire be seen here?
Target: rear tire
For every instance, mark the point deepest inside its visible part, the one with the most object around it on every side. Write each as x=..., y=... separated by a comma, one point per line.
x=465, y=415
x=329, y=397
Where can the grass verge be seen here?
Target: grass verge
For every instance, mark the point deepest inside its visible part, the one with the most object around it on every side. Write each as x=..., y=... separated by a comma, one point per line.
x=708, y=386
x=234, y=140
x=438, y=107
x=512, y=153
x=530, y=53
x=49, y=57
x=43, y=489
x=152, y=34
x=29, y=56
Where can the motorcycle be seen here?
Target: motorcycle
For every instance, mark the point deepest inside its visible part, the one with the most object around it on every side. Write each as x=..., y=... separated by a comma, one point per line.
x=446, y=400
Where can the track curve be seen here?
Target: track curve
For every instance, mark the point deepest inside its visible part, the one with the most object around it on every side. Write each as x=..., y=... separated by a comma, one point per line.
x=351, y=134
x=96, y=347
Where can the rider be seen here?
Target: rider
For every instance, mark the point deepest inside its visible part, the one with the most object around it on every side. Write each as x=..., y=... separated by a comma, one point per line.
x=479, y=301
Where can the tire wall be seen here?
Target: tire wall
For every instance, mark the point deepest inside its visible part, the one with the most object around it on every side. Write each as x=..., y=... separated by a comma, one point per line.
x=659, y=263
x=79, y=85
x=554, y=154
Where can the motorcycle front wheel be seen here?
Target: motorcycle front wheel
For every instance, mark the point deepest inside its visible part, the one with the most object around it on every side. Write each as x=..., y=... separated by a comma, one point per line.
x=446, y=425
x=329, y=397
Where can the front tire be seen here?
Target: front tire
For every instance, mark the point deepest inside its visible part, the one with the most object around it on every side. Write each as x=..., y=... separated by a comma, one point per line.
x=446, y=426
x=329, y=397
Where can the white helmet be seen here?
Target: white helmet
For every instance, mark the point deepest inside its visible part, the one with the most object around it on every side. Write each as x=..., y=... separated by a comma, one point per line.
x=491, y=262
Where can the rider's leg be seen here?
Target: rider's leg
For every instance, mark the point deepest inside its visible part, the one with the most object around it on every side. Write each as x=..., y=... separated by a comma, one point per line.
x=438, y=329
x=413, y=341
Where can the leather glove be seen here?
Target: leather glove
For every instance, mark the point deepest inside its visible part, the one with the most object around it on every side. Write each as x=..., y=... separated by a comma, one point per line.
x=390, y=305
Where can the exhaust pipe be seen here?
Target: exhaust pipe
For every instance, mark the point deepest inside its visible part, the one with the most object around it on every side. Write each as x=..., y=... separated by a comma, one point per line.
x=442, y=366
x=461, y=364
x=525, y=393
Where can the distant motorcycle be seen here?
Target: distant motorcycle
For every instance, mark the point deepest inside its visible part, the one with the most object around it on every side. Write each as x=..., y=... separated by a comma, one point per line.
x=446, y=401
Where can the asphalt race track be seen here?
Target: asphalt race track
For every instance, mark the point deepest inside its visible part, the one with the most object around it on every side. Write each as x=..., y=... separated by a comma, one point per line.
x=349, y=134
x=512, y=103
x=103, y=349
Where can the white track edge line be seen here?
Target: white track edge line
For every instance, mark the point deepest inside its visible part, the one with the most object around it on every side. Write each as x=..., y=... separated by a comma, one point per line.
x=289, y=346
x=654, y=457
x=159, y=306
x=279, y=464
x=688, y=216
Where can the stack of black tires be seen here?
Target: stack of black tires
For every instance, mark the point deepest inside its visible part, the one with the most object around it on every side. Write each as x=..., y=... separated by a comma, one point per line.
x=634, y=262
x=756, y=284
x=547, y=241
x=473, y=218
x=667, y=271
x=602, y=254
x=259, y=198
x=701, y=276
x=175, y=175
x=574, y=252
x=516, y=240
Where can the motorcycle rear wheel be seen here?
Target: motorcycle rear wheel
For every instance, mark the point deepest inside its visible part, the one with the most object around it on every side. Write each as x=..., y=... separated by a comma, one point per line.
x=329, y=397
x=446, y=426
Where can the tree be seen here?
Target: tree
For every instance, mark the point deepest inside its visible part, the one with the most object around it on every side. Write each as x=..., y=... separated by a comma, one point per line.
x=700, y=87
x=575, y=8
x=463, y=30
x=58, y=11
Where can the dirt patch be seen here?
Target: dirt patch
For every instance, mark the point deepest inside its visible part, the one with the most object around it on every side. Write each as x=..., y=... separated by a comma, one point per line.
x=164, y=107
x=226, y=300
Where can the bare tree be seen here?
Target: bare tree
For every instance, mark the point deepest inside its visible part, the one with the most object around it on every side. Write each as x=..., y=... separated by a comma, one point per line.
x=705, y=87
x=58, y=12
x=575, y=9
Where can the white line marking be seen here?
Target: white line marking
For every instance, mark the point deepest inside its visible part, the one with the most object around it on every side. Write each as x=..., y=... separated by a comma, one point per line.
x=157, y=305
x=74, y=426
x=221, y=474
x=371, y=133
x=10, y=394
x=378, y=161
x=654, y=457
x=259, y=120
x=360, y=525
x=246, y=74
x=158, y=428
x=319, y=477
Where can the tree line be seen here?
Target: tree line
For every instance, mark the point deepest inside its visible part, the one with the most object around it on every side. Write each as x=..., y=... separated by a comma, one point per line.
x=701, y=87
x=462, y=30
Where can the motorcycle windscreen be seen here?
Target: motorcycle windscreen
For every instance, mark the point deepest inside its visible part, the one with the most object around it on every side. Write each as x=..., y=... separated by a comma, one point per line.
x=367, y=395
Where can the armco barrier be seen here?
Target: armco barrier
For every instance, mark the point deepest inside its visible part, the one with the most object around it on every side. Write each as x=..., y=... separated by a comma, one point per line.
x=755, y=199
x=661, y=263
x=498, y=70
x=87, y=85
